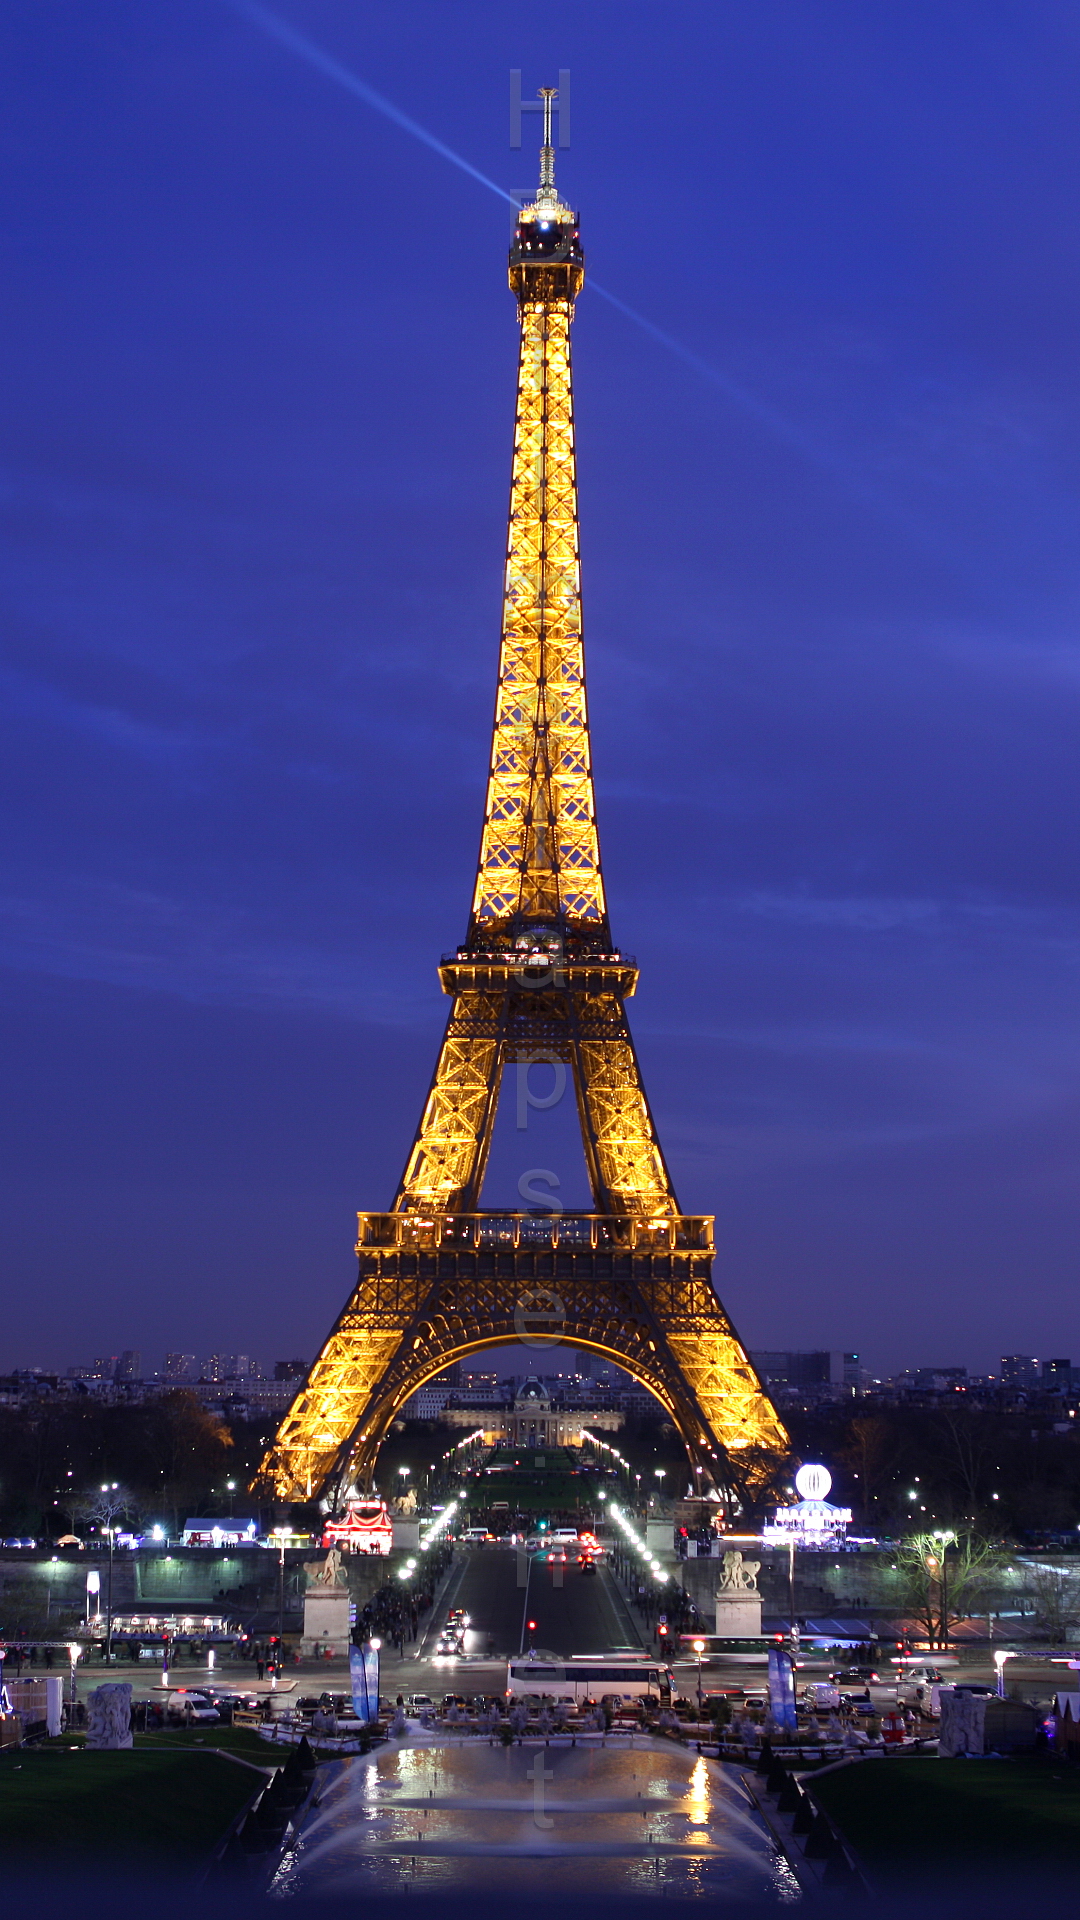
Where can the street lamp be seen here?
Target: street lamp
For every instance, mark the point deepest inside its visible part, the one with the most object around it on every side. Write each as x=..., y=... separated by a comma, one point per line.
x=108, y=1487
x=281, y=1534
x=699, y=1648
x=1000, y=1657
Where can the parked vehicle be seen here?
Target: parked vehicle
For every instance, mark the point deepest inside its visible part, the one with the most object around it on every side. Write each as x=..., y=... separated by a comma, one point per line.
x=184, y=1704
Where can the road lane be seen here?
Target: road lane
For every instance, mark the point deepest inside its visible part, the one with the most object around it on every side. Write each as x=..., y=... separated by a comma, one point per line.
x=502, y=1591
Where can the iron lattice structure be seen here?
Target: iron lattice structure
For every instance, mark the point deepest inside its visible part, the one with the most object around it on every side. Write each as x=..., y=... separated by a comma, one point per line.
x=536, y=978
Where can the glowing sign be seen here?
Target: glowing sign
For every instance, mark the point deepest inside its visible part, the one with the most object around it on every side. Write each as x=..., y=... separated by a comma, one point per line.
x=813, y=1482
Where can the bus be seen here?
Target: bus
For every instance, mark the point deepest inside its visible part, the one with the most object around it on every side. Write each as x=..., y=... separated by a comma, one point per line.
x=586, y=1677
x=723, y=1650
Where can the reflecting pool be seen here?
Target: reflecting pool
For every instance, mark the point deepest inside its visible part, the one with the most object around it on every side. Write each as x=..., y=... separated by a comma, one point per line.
x=653, y=1819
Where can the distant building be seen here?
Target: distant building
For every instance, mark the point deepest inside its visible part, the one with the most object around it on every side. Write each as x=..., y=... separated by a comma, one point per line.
x=128, y=1365
x=820, y=1369
x=1057, y=1373
x=290, y=1369
x=427, y=1402
x=1019, y=1370
x=180, y=1366
x=932, y=1379
x=530, y=1415
x=227, y=1366
x=478, y=1386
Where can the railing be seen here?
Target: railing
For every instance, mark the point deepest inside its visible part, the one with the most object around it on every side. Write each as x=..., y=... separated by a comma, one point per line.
x=571, y=1231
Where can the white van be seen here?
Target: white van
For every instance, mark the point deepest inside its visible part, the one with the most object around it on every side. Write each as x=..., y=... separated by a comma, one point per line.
x=821, y=1695
x=915, y=1686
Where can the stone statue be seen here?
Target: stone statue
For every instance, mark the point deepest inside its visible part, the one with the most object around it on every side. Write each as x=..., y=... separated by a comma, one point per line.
x=407, y=1502
x=108, y=1723
x=327, y=1572
x=739, y=1575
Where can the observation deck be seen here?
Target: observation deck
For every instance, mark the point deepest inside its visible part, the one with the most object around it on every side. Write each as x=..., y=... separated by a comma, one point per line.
x=587, y=1232
x=469, y=971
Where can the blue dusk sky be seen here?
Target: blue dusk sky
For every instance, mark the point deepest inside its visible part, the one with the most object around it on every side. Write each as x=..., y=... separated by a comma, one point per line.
x=258, y=370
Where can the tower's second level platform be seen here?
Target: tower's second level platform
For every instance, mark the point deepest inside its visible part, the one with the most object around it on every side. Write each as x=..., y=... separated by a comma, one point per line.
x=469, y=970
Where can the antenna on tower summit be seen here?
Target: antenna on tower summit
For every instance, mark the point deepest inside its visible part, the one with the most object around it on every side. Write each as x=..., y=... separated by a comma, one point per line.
x=552, y=102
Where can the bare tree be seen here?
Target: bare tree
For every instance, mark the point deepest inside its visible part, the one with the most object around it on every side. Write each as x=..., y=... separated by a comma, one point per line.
x=1056, y=1594
x=963, y=1455
x=945, y=1577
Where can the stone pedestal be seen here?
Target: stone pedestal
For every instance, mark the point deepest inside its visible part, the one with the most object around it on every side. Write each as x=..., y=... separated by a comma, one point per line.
x=326, y=1619
x=738, y=1615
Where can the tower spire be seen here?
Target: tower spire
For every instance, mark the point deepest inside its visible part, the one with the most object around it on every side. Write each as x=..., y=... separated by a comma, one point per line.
x=539, y=865
x=547, y=152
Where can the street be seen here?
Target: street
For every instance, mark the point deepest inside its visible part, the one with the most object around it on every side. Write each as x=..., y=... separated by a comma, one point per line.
x=502, y=1591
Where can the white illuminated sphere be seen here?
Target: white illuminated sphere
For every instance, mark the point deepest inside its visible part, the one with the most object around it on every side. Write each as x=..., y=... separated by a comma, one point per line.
x=813, y=1482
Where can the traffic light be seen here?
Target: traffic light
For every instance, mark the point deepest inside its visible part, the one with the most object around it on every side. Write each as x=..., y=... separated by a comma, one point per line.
x=531, y=1626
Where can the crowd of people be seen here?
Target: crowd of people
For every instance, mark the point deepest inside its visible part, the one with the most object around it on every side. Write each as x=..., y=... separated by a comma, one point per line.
x=394, y=1612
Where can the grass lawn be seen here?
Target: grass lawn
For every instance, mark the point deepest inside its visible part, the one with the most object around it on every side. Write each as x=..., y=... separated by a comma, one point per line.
x=243, y=1741
x=957, y=1814
x=62, y=1807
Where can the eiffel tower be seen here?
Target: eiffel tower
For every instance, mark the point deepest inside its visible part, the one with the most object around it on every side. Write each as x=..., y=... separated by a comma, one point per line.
x=538, y=978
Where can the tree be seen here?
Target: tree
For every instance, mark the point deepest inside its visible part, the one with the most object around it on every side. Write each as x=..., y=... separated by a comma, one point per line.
x=186, y=1451
x=945, y=1577
x=872, y=1457
x=1056, y=1594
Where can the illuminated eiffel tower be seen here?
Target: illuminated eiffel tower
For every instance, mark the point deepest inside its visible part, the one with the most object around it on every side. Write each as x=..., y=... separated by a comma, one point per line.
x=537, y=978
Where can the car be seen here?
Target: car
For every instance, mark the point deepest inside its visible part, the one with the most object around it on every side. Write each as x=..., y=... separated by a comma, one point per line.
x=234, y=1697
x=850, y=1676
x=474, y=1536
x=587, y=1563
x=185, y=1704
x=419, y=1701
x=556, y=1556
x=457, y=1617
